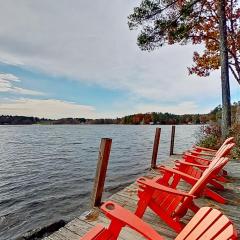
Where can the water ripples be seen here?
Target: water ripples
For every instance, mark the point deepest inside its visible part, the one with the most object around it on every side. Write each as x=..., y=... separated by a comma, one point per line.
x=47, y=172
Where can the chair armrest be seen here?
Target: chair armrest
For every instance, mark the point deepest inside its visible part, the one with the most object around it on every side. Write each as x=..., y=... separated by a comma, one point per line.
x=194, y=158
x=115, y=212
x=205, y=149
x=157, y=186
x=202, y=167
x=177, y=172
x=202, y=153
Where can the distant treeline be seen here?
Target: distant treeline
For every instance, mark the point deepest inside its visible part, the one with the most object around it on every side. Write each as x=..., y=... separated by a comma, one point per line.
x=19, y=120
x=140, y=118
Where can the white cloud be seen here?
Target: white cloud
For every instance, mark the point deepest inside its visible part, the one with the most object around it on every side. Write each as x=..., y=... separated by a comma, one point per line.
x=180, y=108
x=7, y=82
x=50, y=108
x=9, y=77
x=10, y=59
x=94, y=44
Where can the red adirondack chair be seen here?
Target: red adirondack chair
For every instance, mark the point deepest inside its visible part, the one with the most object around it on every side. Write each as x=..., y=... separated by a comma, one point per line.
x=198, y=157
x=190, y=173
x=172, y=177
x=207, y=224
x=171, y=204
x=201, y=154
x=197, y=150
x=196, y=170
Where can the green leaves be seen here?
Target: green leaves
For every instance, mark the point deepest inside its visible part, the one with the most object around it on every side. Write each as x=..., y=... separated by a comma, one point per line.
x=161, y=22
x=143, y=13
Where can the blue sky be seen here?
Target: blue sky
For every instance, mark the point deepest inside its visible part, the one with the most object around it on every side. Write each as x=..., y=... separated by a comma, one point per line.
x=67, y=59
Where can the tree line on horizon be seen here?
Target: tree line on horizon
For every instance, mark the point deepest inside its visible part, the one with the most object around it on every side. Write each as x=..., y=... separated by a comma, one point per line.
x=134, y=119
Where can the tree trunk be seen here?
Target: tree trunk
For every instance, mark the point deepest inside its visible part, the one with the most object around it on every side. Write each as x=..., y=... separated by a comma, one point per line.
x=238, y=114
x=226, y=101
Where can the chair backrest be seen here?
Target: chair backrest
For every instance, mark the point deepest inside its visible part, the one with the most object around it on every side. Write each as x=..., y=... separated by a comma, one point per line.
x=208, y=224
x=225, y=150
x=199, y=186
x=226, y=142
x=229, y=140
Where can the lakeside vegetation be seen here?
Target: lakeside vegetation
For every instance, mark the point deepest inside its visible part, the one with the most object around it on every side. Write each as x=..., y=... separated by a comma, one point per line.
x=210, y=137
x=136, y=119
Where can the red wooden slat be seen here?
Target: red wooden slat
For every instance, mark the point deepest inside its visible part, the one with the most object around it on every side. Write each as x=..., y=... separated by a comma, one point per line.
x=173, y=205
x=94, y=233
x=193, y=223
x=153, y=184
x=216, y=228
x=227, y=234
x=204, y=224
x=114, y=211
x=166, y=201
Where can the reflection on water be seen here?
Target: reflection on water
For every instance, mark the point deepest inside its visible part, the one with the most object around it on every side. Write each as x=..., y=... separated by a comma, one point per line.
x=46, y=172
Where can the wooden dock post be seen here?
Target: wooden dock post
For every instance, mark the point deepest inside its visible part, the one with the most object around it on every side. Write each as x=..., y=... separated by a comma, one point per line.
x=155, y=148
x=103, y=157
x=172, y=140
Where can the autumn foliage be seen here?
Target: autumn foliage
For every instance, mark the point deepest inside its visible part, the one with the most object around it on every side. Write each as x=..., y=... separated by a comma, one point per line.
x=189, y=21
x=206, y=32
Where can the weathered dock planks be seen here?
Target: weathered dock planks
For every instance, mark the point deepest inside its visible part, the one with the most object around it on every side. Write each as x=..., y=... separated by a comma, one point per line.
x=128, y=199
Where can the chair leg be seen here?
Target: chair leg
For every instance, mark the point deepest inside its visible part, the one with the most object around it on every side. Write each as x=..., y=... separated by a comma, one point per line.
x=143, y=202
x=193, y=207
x=216, y=184
x=224, y=172
x=213, y=195
x=173, y=222
x=222, y=179
x=164, y=180
x=176, y=180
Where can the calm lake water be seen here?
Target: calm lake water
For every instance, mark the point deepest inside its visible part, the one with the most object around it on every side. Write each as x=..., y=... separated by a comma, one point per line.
x=47, y=172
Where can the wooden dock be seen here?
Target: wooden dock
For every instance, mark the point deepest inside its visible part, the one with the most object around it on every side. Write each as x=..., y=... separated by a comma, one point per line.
x=128, y=199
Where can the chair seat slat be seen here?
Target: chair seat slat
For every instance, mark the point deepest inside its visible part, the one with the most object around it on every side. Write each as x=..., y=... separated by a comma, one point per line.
x=216, y=228
x=206, y=222
x=199, y=216
x=227, y=234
